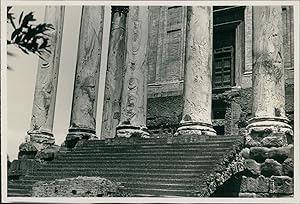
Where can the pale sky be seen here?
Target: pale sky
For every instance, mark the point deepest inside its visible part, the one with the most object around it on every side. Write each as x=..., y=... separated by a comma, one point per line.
x=21, y=80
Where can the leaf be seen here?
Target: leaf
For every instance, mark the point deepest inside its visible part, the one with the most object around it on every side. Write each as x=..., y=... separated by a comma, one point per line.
x=14, y=34
x=27, y=19
x=20, y=18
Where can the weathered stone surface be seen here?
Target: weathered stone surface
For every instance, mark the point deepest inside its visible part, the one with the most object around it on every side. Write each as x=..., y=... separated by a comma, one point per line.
x=251, y=167
x=288, y=167
x=78, y=187
x=28, y=150
x=47, y=77
x=84, y=105
x=256, y=185
x=245, y=153
x=274, y=141
x=247, y=195
x=262, y=195
x=271, y=167
x=250, y=142
x=268, y=74
x=259, y=154
x=134, y=97
x=28, y=147
x=268, y=69
x=48, y=154
x=279, y=153
x=114, y=73
x=196, y=116
x=22, y=167
x=281, y=185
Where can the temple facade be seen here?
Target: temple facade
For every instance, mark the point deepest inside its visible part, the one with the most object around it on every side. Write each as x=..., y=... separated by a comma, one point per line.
x=179, y=72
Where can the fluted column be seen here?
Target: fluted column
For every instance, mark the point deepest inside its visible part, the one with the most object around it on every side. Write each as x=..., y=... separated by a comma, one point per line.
x=196, y=116
x=114, y=74
x=84, y=105
x=134, y=95
x=268, y=106
x=41, y=125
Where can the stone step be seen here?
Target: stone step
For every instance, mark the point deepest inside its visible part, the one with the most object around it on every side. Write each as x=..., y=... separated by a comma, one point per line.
x=160, y=165
x=148, y=157
x=12, y=194
x=131, y=162
x=123, y=170
x=158, y=192
x=137, y=172
x=115, y=175
x=160, y=185
x=137, y=184
x=20, y=185
x=164, y=140
x=88, y=144
x=92, y=154
x=19, y=191
x=152, y=149
x=30, y=180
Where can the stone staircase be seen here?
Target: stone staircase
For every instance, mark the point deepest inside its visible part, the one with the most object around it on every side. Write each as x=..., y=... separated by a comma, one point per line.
x=150, y=167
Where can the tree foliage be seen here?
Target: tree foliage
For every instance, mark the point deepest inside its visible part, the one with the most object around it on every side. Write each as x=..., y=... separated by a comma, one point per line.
x=30, y=38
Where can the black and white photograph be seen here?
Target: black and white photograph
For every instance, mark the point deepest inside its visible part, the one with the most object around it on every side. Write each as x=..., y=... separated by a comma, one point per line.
x=161, y=100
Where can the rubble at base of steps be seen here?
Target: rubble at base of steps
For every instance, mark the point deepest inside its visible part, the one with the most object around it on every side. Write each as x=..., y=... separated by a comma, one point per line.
x=81, y=186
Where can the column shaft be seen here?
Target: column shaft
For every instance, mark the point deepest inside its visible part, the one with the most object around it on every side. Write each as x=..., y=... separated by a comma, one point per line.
x=268, y=106
x=114, y=73
x=134, y=95
x=84, y=105
x=196, y=118
x=46, y=82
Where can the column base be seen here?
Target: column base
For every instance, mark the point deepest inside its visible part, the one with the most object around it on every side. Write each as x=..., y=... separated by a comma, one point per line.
x=269, y=132
x=269, y=124
x=76, y=134
x=195, y=128
x=40, y=136
x=128, y=131
x=39, y=141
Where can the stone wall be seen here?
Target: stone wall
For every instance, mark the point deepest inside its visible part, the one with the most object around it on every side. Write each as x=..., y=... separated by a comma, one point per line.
x=164, y=113
x=268, y=165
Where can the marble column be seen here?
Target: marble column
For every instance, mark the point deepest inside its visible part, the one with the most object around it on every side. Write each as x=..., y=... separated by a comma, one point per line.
x=84, y=105
x=41, y=125
x=196, y=116
x=114, y=74
x=134, y=94
x=268, y=92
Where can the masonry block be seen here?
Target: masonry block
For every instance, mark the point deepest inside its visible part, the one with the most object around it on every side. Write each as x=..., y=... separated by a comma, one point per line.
x=255, y=185
x=281, y=185
x=279, y=153
x=274, y=141
x=271, y=167
x=252, y=167
x=259, y=154
x=288, y=167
